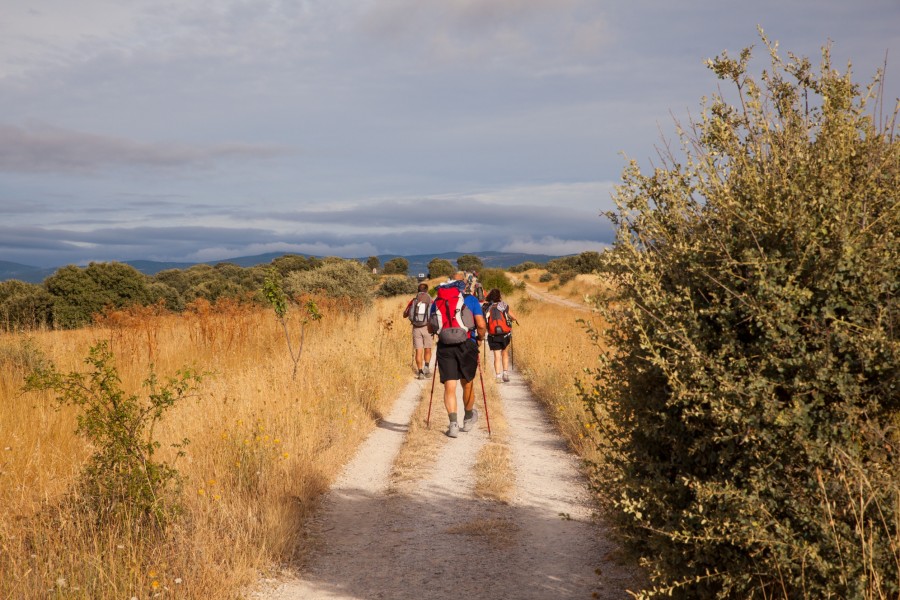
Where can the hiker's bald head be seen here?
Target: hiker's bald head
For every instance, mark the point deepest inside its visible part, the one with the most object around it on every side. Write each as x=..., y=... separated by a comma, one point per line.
x=460, y=276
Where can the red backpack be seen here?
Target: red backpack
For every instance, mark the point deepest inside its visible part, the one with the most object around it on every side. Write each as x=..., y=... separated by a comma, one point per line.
x=498, y=321
x=452, y=319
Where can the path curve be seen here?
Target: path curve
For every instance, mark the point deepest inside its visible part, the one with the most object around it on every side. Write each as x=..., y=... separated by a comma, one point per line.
x=551, y=298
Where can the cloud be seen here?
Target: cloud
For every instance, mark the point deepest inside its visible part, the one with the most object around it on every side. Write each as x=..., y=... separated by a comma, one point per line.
x=530, y=34
x=553, y=246
x=43, y=148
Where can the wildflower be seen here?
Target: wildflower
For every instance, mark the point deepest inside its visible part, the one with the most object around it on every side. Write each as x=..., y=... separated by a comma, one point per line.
x=201, y=492
x=154, y=584
x=61, y=582
x=285, y=455
x=178, y=581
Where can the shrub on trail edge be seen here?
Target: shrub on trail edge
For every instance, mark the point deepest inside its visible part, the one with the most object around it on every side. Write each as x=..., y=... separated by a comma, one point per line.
x=752, y=387
x=396, y=286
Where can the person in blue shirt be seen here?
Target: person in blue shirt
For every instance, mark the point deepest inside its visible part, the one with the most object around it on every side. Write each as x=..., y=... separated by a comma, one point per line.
x=459, y=363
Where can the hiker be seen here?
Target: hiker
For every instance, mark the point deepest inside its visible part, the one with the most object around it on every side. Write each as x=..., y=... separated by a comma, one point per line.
x=459, y=323
x=418, y=311
x=499, y=332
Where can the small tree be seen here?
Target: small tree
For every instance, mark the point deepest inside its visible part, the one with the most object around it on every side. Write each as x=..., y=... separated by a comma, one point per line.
x=396, y=266
x=123, y=480
x=469, y=262
x=373, y=264
x=274, y=293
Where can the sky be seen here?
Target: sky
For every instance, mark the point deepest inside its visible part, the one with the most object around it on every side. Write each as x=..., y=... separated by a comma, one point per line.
x=178, y=130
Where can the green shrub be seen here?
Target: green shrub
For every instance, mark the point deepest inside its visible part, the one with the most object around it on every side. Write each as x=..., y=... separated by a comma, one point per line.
x=123, y=481
x=545, y=277
x=24, y=306
x=750, y=400
x=343, y=279
x=78, y=293
x=396, y=266
x=397, y=286
x=440, y=267
x=566, y=276
x=495, y=278
x=469, y=262
x=525, y=266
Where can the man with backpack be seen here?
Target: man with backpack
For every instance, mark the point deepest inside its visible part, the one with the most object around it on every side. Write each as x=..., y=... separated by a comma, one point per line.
x=417, y=311
x=459, y=323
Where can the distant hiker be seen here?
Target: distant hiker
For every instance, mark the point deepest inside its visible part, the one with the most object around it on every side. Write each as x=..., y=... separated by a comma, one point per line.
x=499, y=332
x=417, y=311
x=473, y=286
x=458, y=321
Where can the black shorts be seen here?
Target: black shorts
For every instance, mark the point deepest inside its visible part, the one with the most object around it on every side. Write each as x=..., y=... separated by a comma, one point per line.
x=499, y=342
x=459, y=361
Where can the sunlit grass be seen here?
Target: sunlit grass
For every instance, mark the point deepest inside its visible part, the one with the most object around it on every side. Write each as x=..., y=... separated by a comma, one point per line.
x=262, y=447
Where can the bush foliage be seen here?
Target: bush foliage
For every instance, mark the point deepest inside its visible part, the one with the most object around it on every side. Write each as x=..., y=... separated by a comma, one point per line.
x=397, y=286
x=123, y=481
x=440, y=267
x=750, y=400
x=334, y=279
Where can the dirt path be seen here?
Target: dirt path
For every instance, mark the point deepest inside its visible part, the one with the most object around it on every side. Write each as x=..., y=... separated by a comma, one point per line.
x=436, y=540
x=551, y=298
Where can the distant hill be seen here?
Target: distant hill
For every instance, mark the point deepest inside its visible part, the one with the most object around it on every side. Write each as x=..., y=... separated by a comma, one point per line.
x=418, y=263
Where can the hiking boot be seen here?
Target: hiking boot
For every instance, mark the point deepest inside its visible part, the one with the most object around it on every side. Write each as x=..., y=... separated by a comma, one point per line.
x=469, y=424
x=420, y=375
x=500, y=378
x=506, y=376
x=427, y=372
x=453, y=430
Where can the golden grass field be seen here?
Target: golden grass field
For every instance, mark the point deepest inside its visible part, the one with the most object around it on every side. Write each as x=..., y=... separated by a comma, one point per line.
x=263, y=447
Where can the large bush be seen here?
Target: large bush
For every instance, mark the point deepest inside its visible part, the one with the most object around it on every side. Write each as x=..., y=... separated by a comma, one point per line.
x=495, y=278
x=396, y=286
x=750, y=398
x=469, y=262
x=440, y=267
x=396, y=266
x=335, y=279
x=24, y=305
x=79, y=293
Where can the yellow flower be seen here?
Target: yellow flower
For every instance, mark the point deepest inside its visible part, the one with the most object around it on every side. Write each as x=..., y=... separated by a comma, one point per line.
x=154, y=584
x=211, y=482
x=285, y=455
x=201, y=492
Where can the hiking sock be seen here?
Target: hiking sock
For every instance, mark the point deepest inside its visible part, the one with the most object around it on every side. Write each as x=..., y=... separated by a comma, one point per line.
x=453, y=418
x=468, y=414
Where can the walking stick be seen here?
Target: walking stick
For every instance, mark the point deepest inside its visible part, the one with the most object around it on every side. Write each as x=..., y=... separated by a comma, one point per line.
x=430, y=398
x=487, y=417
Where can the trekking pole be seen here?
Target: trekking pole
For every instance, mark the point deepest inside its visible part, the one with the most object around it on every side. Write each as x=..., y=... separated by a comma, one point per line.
x=487, y=417
x=430, y=398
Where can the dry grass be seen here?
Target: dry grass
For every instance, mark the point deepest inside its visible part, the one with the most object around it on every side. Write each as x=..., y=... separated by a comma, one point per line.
x=576, y=289
x=263, y=447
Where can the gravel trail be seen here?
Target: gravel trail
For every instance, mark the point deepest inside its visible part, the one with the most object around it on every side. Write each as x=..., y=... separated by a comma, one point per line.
x=436, y=540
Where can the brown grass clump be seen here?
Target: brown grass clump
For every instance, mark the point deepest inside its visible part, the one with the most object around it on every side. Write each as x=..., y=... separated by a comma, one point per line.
x=262, y=447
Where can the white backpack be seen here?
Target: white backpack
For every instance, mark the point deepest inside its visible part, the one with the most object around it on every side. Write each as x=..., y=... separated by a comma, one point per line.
x=418, y=310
